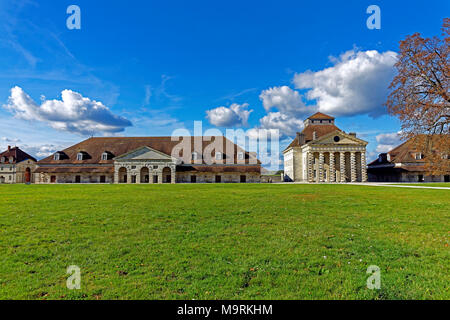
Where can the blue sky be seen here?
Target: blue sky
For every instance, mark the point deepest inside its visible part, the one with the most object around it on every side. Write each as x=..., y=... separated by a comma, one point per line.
x=155, y=66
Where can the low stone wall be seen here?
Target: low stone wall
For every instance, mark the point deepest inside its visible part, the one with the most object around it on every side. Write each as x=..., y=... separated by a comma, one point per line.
x=185, y=177
x=271, y=179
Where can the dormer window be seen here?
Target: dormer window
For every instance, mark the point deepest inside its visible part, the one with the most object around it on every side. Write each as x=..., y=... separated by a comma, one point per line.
x=219, y=156
x=419, y=156
x=57, y=156
x=81, y=156
x=106, y=156
x=194, y=156
x=240, y=156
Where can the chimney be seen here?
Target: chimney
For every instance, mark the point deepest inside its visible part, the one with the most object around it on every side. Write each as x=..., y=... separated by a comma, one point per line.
x=9, y=148
x=314, y=135
x=301, y=138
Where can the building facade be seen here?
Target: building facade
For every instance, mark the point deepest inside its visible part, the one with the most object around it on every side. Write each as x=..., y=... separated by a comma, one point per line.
x=16, y=166
x=404, y=163
x=150, y=160
x=324, y=153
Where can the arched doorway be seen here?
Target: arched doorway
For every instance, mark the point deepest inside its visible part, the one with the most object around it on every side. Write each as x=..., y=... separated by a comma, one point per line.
x=123, y=175
x=27, y=175
x=145, y=175
x=167, y=175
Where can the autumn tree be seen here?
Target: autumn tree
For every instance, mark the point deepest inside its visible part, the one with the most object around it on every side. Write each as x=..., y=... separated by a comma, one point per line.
x=419, y=96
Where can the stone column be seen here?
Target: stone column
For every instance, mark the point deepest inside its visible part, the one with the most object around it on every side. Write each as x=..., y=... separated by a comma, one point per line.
x=172, y=175
x=363, y=167
x=150, y=175
x=332, y=177
x=160, y=177
x=342, y=166
x=353, y=175
x=138, y=176
x=116, y=175
x=129, y=175
x=310, y=168
x=321, y=161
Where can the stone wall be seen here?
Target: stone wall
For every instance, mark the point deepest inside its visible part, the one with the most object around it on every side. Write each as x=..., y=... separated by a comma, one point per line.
x=41, y=178
x=207, y=177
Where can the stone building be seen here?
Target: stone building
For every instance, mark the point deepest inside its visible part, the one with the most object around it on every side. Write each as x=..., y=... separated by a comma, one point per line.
x=150, y=160
x=404, y=163
x=324, y=153
x=16, y=166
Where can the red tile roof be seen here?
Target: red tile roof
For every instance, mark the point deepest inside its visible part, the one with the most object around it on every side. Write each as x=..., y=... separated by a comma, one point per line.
x=95, y=147
x=321, y=116
x=320, y=129
x=17, y=154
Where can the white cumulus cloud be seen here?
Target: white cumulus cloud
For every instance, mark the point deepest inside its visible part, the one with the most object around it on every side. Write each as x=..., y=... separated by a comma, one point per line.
x=387, y=141
x=356, y=84
x=73, y=113
x=285, y=99
x=286, y=125
x=235, y=115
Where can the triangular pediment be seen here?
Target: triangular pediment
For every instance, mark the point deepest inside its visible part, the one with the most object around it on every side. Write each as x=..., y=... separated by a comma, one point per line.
x=145, y=153
x=339, y=138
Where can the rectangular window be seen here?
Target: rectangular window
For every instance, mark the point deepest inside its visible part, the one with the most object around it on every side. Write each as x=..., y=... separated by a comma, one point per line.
x=102, y=179
x=240, y=156
x=193, y=179
x=52, y=179
x=243, y=179
x=218, y=179
x=77, y=179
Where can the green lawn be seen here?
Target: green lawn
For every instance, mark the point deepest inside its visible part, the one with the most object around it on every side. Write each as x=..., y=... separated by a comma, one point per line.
x=248, y=241
x=434, y=184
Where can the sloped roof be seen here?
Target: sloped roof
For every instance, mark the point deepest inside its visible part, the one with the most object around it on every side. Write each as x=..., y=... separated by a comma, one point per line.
x=320, y=116
x=17, y=154
x=117, y=146
x=404, y=153
x=320, y=129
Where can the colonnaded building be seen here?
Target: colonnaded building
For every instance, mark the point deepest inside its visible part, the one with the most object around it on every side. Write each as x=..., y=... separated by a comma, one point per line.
x=150, y=160
x=324, y=153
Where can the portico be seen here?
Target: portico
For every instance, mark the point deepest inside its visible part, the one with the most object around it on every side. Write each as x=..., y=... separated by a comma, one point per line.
x=145, y=165
x=324, y=153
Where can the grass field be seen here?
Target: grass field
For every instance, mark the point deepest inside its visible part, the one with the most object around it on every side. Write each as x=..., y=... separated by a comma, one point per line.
x=434, y=184
x=226, y=241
